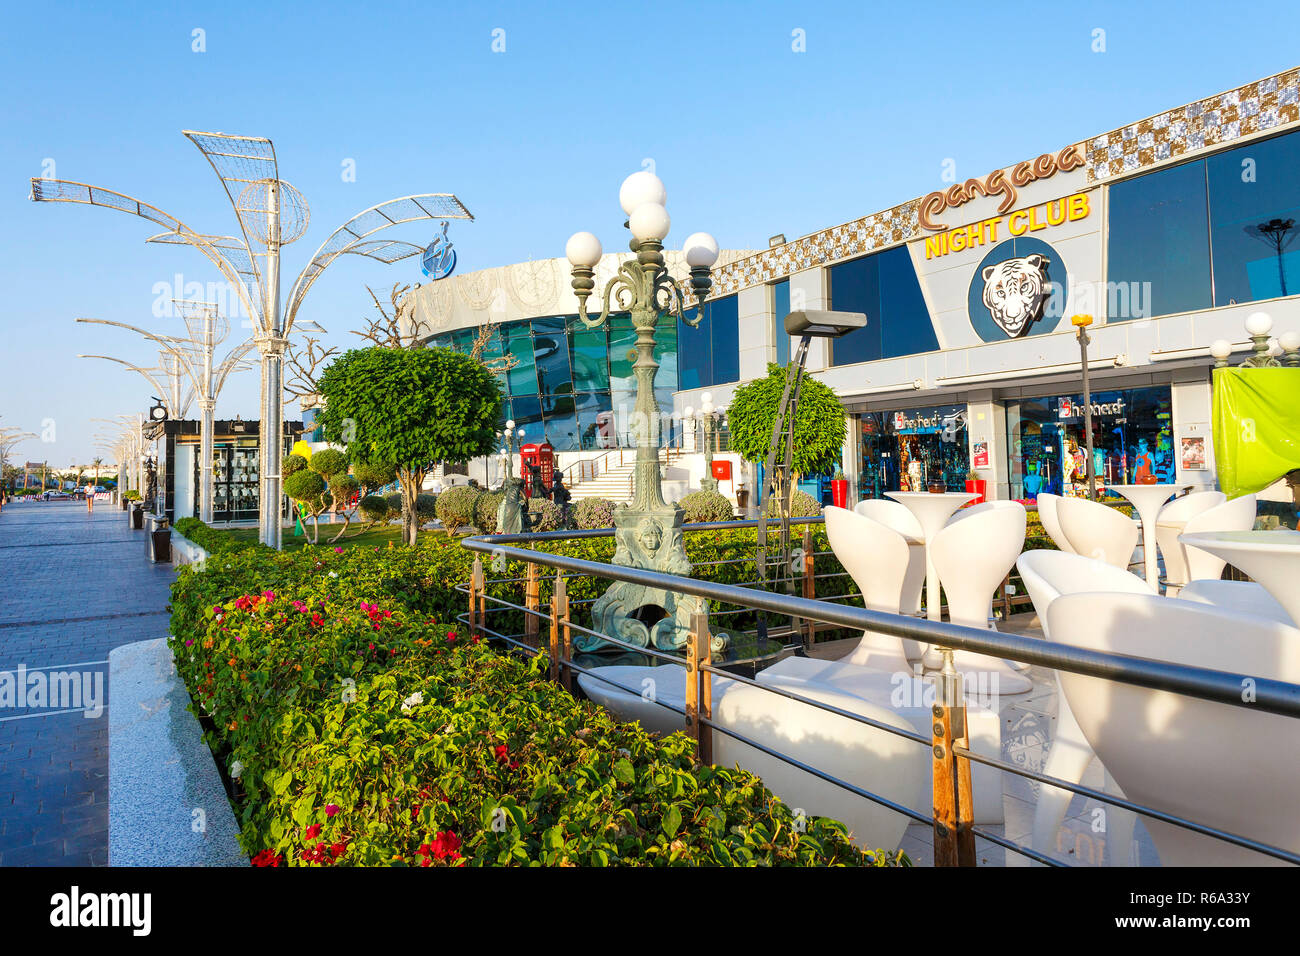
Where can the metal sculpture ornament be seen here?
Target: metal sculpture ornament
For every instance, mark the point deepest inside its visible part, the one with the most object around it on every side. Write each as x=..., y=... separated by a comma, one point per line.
x=439, y=259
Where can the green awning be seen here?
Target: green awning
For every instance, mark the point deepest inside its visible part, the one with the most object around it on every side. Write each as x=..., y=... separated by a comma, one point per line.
x=1256, y=427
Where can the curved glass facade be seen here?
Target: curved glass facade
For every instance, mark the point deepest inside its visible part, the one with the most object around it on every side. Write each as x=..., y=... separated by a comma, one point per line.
x=571, y=385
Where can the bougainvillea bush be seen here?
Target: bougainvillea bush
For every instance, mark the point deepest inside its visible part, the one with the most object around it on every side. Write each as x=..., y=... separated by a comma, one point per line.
x=359, y=728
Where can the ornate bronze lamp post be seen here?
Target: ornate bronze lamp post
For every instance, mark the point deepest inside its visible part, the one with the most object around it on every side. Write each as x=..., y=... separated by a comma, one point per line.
x=648, y=531
x=709, y=418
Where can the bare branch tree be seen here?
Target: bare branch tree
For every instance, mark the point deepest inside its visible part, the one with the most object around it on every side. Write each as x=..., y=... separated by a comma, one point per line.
x=304, y=364
x=397, y=327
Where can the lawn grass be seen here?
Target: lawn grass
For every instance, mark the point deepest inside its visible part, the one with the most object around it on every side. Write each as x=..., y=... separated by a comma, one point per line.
x=379, y=537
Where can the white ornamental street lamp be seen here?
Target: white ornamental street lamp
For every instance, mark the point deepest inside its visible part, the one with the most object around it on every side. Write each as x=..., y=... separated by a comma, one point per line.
x=648, y=532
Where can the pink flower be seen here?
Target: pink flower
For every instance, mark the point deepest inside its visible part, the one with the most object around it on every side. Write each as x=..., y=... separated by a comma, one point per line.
x=338, y=550
x=269, y=595
x=331, y=809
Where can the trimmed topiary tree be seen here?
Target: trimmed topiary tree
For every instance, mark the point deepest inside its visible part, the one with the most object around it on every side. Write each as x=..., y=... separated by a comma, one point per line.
x=592, y=513
x=374, y=476
x=309, y=489
x=456, y=507
x=375, y=509
x=549, y=515
x=819, y=428
x=411, y=408
x=802, y=505
x=485, y=512
x=707, y=506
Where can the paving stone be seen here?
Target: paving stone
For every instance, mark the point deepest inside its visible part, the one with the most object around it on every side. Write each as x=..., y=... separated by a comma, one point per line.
x=80, y=585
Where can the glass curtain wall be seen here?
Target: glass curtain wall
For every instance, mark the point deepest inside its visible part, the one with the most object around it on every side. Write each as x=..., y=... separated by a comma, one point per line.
x=1211, y=232
x=573, y=386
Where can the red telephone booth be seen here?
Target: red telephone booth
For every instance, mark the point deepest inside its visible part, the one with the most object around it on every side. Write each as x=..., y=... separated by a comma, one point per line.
x=542, y=457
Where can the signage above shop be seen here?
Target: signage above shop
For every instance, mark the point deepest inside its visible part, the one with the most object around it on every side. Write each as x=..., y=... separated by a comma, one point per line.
x=1021, y=222
x=997, y=183
x=1068, y=408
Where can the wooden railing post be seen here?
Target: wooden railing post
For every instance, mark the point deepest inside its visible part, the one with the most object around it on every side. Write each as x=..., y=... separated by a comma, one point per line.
x=559, y=602
x=532, y=601
x=566, y=637
x=954, y=838
x=475, y=594
x=699, y=686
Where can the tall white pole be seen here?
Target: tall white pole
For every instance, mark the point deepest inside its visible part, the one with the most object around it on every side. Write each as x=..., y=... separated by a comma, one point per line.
x=272, y=349
x=207, y=403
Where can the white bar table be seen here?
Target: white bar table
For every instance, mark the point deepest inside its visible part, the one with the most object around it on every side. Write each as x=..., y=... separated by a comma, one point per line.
x=932, y=512
x=1272, y=558
x=1148, y=500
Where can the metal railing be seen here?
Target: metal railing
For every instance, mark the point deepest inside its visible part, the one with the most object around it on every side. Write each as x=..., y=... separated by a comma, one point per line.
x=951, y=819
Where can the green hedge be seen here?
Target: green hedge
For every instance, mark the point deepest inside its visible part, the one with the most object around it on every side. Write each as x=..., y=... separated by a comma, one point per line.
x=212, y=540
x=360, y=729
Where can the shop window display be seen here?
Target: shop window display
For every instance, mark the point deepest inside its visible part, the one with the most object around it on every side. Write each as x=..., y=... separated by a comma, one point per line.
x=1132, y=436
x=914, y=449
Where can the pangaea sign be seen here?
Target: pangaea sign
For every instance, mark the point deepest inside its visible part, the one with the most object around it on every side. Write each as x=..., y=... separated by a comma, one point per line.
x=997, y=183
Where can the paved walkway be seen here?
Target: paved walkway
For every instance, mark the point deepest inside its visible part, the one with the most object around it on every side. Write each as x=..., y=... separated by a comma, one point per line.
x=75, y=587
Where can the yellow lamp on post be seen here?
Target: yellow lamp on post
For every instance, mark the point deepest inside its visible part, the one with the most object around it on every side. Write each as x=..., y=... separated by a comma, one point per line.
x=1081, y=322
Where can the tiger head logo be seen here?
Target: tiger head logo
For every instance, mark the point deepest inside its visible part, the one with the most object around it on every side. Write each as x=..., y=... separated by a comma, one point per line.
x=1015, y=292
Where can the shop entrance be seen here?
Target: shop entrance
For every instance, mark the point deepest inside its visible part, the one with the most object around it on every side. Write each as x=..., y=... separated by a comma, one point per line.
x=1132, y=437
x=913, y=449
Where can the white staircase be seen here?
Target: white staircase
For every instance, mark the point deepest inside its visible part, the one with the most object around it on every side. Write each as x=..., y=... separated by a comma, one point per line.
x=614, y=477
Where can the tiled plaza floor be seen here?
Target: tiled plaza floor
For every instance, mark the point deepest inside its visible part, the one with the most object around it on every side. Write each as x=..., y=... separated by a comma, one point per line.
x=76, y=586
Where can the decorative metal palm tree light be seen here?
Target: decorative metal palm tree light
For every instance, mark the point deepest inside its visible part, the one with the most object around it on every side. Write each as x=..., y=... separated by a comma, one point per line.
x=166, y=377
x=271, y=214
x=193, y=358
x=648, y=532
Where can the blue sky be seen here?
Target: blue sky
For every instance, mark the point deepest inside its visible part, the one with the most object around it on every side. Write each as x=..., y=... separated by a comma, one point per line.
x=751, y=137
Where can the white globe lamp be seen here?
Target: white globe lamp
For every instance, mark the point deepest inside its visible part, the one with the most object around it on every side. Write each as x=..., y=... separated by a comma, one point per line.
x=649, y=222
x=641, y=188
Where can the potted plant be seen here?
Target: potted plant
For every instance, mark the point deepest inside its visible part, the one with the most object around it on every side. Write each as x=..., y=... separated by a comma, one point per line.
x=977, y=485
x=840, y=489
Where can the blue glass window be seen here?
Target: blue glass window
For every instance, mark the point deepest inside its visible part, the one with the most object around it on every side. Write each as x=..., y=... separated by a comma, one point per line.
x=1158, y=250
x=710, y=353
x=694, y=353
x=780, y=309
x=1255, y=220
x=884, y=287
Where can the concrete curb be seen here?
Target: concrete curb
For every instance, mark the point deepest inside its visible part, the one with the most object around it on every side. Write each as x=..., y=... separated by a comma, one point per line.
x=167, y=805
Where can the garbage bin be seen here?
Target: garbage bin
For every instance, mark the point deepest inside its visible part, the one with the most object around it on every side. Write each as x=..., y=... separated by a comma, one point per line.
x=160, y=538
x=137, y=515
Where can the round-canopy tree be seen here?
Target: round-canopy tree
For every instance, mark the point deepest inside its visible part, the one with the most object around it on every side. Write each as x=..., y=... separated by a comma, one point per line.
x=410, y=408
x=819, y=428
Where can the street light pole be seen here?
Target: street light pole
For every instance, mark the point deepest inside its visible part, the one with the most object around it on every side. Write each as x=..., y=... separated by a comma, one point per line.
x=1081, y=322
x=648, y=532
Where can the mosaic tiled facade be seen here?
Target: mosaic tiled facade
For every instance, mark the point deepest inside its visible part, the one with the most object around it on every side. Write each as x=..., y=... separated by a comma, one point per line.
x=1208, y=123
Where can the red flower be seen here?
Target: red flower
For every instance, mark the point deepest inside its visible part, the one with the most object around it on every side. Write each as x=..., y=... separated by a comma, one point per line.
x=445, y=846
x=331, y=809
x=266, y=858
x=312, y=832
x=336, y=850
x=317, y=621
